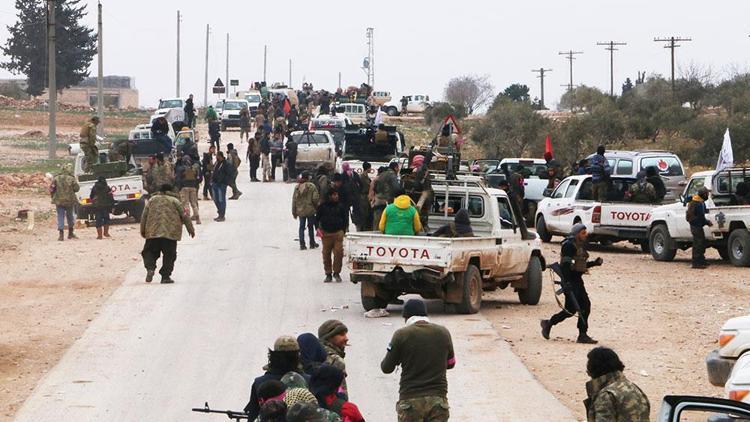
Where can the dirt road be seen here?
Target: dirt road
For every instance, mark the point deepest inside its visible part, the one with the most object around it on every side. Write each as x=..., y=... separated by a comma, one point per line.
x=160, y=350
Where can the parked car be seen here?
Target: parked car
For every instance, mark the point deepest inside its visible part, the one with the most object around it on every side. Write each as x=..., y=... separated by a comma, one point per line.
x=230, y=113
x=253, y=99
x=417, y=103
x=534, y=171
x=314, y=148
x=614, y=220
x=669, y=166
x=455, y=270
x=669, y=231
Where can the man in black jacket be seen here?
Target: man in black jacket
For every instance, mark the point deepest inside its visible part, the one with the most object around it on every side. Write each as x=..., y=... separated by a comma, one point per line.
x=574, y=264
x=189, y=110
x=652, y=176
x=220, y=179
x=333, y=218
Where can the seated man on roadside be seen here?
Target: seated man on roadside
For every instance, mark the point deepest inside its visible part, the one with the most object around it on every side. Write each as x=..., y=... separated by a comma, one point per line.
x=460, y=227
x=400, y=218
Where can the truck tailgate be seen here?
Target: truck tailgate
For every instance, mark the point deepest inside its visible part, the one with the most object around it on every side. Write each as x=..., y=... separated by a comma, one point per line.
x=626, y=214
x=376, y=248
x=128, y=188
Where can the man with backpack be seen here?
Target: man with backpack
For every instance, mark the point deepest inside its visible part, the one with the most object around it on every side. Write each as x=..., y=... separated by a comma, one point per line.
x=188, y=178
x=642, y=191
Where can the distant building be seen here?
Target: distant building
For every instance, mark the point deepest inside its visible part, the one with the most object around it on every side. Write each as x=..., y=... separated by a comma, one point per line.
x=119, y=92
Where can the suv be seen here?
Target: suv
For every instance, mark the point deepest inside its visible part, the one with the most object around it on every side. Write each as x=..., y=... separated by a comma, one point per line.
x=230, y=113
x=629, y=163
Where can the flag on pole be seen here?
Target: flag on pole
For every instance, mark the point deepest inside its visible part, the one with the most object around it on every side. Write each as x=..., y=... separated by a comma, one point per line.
x=726, y=156
x=548, y=148
x=379, y=118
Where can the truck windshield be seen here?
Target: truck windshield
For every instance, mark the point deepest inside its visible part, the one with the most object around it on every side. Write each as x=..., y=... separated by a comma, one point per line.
x=233, y=105
x=667, y=166
x=170, y=104
x=254, y=98
x=310, y=138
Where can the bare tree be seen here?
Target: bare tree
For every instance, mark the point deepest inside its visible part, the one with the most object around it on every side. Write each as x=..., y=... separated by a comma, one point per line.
x=470, y=91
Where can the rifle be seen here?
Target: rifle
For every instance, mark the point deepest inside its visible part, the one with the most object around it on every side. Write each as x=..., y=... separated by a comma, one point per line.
x=557, y=269
x=231, y=414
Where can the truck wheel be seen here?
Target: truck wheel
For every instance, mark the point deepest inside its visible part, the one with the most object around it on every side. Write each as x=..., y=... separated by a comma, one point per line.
x=391, y=111
x=370, y=303
x=541, y=230
x=471, y=297
x=533, y=291
x=660, y=242
x=739, y=248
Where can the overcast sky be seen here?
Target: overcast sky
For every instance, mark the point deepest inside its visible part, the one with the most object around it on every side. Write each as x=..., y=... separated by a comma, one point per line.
x=419, y=45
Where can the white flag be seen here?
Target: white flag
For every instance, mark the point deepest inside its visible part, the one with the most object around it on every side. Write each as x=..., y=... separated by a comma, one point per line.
x=379, y=117
x=726, y=156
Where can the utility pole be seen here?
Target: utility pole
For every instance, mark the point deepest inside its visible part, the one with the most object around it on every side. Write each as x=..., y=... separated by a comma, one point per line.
x=370, y=69
x=265, y=62
x=339, y=80
x=52, y=81
x=672, y=44
x=290, y=73
x=179, y=19
x=570, y=56
x=611, y=48
x=226, y=91
x=541, y=71
x=205, y=79
x=100, y=73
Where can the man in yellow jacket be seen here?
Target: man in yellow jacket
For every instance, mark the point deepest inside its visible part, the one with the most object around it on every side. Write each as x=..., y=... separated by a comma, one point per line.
x=400, y=218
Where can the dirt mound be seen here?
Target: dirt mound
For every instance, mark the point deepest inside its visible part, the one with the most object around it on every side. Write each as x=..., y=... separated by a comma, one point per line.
x=35, y=104
x=13, y=182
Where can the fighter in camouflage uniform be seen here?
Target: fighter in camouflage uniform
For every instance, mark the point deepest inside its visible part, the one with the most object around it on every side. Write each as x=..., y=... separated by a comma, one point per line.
x=417, y=185
x=88, y=144
x=611, y=396
x=63, y=191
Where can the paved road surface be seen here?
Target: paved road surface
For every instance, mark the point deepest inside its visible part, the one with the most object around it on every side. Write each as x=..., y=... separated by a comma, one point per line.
x=156, y=351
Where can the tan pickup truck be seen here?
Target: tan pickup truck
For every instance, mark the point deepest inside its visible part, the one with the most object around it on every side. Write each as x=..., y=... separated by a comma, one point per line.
x=455, y=270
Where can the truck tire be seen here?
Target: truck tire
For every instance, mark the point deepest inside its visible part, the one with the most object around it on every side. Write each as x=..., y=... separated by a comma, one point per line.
x=391, y=111
x=471, y=288
x=533, y=291
x=739, y=248
x=369, y=303
x=660, y=242
x=541, y=230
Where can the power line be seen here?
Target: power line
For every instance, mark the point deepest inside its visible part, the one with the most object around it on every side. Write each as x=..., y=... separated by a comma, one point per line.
x=672, y=44
x=611, y=48
x=541, y=71
x=570, y=55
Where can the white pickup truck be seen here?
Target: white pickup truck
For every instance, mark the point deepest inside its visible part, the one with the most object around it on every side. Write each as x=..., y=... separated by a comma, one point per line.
x=127, y=190
x=669, y=231
x=572, y=202
x=455, y=270
x=314, y=148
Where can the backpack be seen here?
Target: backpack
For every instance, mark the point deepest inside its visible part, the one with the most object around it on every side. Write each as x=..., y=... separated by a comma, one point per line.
x=189, y=174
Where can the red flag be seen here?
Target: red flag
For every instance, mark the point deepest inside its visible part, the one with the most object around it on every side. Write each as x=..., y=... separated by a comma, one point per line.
x=287, y=106
x=548, y=148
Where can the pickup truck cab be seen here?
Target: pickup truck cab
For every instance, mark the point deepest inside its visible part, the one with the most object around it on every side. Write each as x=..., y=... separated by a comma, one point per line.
x=314, y=148
x=253, y=99
x=172, y=108
x=230, y=113
x=572, y=202
x=124, y=178
x=336, y=125
x=455, y=270
x=357, y=113
x=668, y=165
x=669, y=231
x=379, y=98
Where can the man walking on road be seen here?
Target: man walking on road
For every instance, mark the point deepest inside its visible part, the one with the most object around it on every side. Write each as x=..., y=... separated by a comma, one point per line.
x=425, y=352
x=332, y=218
x=253, y=155
x=304, y=202
x=234, y=159
x=333, y=337
x=63, y=191
x=574, y=264
x=188, y=178
x=695, y=214
x=611, y=396
x=220, y=179
x=161, y=226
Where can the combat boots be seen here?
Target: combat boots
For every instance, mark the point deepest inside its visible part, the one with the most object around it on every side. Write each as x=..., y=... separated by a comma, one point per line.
x=62, y=235
x=99, y=233
x=71, y=235
x=106, y=231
